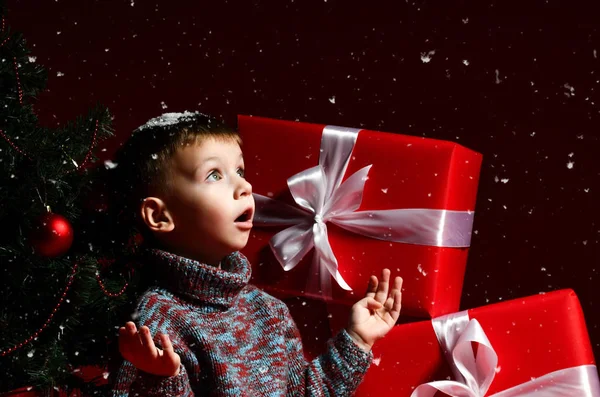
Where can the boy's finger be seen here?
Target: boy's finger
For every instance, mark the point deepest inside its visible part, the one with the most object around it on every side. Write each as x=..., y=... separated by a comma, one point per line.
x=122, y=339
x=372, y=304
x=372, y=287
x=127, y=343
x=131, y=333
x=130, y=327
x=395, y=312
x=389, y=303
x=126, y=337
x=166, y=342
x=147, y=341
x=382, y=290
x=397, y=284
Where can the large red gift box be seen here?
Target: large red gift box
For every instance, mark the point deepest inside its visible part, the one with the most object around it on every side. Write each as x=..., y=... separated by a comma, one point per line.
x=532, y=337
x=407, y=172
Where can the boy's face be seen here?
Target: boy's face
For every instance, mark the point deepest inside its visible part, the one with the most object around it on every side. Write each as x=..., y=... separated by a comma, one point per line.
x=209, y=200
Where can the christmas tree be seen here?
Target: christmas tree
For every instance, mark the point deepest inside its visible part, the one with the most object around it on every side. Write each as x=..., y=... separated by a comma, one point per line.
x=60, y=295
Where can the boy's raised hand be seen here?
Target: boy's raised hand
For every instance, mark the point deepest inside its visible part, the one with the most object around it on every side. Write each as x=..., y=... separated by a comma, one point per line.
x=139, y=349
x=374, y=316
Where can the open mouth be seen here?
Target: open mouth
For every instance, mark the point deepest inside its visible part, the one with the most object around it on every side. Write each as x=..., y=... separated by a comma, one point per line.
x=245, y=216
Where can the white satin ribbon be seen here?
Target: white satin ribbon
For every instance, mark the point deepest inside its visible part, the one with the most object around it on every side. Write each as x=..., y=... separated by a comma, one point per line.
x=322, y=197
x=474, y=375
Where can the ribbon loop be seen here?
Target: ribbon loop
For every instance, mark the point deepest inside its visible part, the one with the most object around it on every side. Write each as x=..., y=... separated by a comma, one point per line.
x=307, y=189
x=271, y=212
x=337, y=144
x=290, y=245
x=478, y=372
x=348, y=197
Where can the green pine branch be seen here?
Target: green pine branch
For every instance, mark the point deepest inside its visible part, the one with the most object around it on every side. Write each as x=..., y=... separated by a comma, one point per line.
x=41, y=167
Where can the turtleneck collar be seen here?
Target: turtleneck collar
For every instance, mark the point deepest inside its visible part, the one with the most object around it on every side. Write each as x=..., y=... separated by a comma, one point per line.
x=200, y=281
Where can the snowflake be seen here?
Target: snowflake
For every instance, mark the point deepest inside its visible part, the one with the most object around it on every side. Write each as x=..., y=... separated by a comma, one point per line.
x=109, y=165
x=426, y=56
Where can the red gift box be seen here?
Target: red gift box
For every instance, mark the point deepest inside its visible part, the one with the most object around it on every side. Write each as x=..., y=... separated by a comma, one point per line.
x=407, y=173
x=532, y=337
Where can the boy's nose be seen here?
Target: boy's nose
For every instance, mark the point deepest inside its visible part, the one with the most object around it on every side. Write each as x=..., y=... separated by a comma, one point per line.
x=244, y=189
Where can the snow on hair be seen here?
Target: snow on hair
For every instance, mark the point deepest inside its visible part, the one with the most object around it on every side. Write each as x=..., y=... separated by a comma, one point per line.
x=168, y=119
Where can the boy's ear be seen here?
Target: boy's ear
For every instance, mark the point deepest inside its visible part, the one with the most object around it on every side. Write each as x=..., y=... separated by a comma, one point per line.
x=156, y=216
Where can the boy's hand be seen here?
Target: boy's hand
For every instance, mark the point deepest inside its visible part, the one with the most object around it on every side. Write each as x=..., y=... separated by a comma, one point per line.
x=139, y=349
x=374, y=315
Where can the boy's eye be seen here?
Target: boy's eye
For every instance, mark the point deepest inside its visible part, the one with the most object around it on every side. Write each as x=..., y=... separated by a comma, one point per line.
x=240, y=172
x=214, y=176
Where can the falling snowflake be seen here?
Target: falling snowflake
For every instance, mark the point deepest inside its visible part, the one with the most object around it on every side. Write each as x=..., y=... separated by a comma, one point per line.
x=332, y=99
x=426, y=56
x=60, y=74
x=570, y=90
x=109, y=165
x=570, y=165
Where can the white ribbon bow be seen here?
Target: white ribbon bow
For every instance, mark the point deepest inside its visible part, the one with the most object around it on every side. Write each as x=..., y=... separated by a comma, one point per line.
x=474, y=375
x=322, y=198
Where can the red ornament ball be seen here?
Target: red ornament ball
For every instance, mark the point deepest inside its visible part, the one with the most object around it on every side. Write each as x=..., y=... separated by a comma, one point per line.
x=52, y=235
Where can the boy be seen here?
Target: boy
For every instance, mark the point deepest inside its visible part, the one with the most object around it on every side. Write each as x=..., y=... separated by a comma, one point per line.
x=215, y=334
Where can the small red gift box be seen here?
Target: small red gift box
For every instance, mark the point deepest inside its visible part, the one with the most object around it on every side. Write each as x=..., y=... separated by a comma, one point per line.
x=532, y=337
x=411, y=174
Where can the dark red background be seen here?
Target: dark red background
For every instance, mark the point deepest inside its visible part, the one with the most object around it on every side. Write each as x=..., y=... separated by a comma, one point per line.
x=514, y=80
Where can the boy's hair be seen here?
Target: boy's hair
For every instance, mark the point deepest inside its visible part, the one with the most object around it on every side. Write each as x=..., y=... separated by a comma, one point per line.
x=143, y=162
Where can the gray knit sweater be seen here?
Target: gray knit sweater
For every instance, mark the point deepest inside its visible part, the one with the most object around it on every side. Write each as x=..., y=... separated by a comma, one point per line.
x=233, y=339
